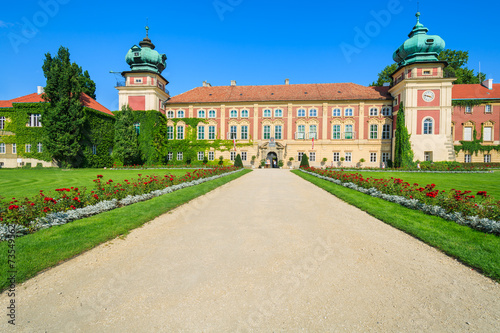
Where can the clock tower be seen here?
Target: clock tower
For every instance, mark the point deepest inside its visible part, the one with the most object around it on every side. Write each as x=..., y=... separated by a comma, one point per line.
x=421, y=85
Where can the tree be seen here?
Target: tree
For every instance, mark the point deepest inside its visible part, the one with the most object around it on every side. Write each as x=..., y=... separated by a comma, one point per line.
x=403, y=154
x=457, y=61
x=126, y=149
x=88, y=86
x=63, y=117
x=304, y=163
x=238, y=162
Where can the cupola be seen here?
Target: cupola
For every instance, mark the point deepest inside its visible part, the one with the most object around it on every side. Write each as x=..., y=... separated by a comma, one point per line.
x=145, y=58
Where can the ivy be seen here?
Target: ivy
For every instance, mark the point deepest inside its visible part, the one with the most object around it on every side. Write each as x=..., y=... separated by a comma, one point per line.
x=99, y=131
x=475, y=146
x=470, y=102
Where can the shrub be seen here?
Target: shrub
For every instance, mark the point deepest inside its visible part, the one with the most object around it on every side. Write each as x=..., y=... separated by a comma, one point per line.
x=280, y=163
x=205, y=160
x=238, y=163
x=304, y=163
x=221, y=160
x=39, y=166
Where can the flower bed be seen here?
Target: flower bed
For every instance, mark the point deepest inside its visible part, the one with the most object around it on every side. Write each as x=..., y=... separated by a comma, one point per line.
x=478, y=211
x=69, y=204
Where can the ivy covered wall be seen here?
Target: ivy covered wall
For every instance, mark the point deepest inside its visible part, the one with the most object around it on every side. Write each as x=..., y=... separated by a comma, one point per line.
x=98, y=131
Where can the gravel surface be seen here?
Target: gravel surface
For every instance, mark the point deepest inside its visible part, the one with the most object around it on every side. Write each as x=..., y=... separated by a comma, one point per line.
x=268, y=252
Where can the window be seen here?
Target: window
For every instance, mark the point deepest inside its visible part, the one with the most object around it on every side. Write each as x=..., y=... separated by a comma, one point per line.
x=487, y=131
x=170, y=156
x=233, y=155
x=170, y=114
x=336, y=132
x=468, y=109
x=278, y=113
x=243, y=155
x=211, y=114
x=110, y=151
x=487, y=109
x=301, y=132
x=348, y=157
x=386, y=157
x=373, y=157
x=2, y=148
x=244, y=132
x=348, y=112
x=201, y=132
x=233, y=114
x=211, y=156
x=233, y=132
x=14, y=148
x=180, y=132
x=387, y=111
x=428, y=156
x=312, y=157
x=373, y=131
x=313, y=132
x=2, y=123
x=201, y=114
x=244, y=113
x=180, y=114
x=267, y=132
x=336, y=157
x=299, y=157
x=467, y=133
x=467, y=158
x=170, y=132
x=39, y=147
x=301, y=113
x=35, y=120
x=386, y=132
x=349, y=135
x=180, y=156
x=201, y=156
x=373, y=112
x=138, y=80
x=336, y=113
x=277, y=132
x=428, y=126
x=487, y=158
x=27, y=147
x=313, y=113
x=137, y=128
x=94, y=149
x=267, y=113
x=211, y=133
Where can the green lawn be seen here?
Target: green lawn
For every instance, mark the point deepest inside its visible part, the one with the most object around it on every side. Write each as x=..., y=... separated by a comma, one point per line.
x=474, y=248
x=20, y=183
x=46, y=248
x=474, y=182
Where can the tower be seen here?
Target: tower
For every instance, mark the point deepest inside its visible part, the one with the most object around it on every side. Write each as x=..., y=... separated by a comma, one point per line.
x=421, y=84
x=144, y=87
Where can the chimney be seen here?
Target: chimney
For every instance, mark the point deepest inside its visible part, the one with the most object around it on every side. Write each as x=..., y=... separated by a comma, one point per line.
x=287, y=82
x=488, y=84
x=204, y=83
x=233, y=83
x=39, y=90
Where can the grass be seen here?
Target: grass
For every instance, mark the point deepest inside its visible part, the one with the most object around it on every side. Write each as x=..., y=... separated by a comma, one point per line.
x=474, y=248
x=20, y=183
x=49, y=247
x=474, y=182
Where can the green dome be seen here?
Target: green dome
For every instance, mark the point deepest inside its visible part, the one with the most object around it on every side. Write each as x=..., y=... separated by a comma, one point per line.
x=145, y=58
x=420, y=47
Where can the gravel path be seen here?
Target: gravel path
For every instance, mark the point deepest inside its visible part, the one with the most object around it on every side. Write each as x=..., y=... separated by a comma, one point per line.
x=268, y=252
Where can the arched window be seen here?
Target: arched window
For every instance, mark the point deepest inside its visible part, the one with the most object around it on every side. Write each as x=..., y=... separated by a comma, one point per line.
x=278, y=113
x=373, y=112
x=428, y=126
x=301, y=113
x=211, y=114
x=180, y=114
x=387, y=111
x=337, y=112
x=244, y=113
x=170, y=114
x=313, y=113
x=267, y=113
x=201, y=114
x=234, y=114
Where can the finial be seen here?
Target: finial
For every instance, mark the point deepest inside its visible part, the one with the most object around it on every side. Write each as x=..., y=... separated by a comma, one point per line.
x=147, y=27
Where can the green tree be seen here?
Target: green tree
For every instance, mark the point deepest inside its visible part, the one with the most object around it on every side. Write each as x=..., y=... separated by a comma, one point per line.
x=238, y=162
x=63, y=117
x=385, y=75
x=304, y=163
x=88, y=86
x=403, y=154
x=126, y=149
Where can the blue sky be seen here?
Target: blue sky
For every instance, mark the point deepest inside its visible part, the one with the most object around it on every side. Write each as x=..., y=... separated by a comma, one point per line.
x=254, y=42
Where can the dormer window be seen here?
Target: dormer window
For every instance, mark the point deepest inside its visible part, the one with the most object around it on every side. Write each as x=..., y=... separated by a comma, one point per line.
x=427, y=72
x=137, y=54
x=429, y=41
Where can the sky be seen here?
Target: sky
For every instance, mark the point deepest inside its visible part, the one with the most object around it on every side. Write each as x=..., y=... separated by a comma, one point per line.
x=254, y=42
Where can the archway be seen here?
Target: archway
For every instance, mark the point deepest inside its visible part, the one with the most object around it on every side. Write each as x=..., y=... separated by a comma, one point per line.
x=273, y=159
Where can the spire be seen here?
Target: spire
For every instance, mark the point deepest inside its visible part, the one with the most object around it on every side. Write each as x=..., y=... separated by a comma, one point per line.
x=146, y=42
x=419, y=28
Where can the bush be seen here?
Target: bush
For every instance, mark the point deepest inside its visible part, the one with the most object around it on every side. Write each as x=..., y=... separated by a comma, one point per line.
x=281, y=163
x=39, y=166
x=304, y=163
x=27, y=166
x=221, y=160
x=238, y=163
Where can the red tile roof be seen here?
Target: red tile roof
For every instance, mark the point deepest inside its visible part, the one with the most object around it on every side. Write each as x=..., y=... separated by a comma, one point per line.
x=35, y=98
x=294, y=92
x=475, y=91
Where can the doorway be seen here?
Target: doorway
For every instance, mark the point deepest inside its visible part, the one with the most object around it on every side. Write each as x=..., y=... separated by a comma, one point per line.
x=273, y=159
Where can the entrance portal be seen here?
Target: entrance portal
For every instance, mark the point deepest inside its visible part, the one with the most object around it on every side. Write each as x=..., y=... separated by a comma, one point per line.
x=273, y=159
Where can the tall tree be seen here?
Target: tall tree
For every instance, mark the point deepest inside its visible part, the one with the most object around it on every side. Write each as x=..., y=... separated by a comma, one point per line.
x=126, y=149
x=403, y=154
x=63, y=117
x=88, y=86
x=385, y=75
